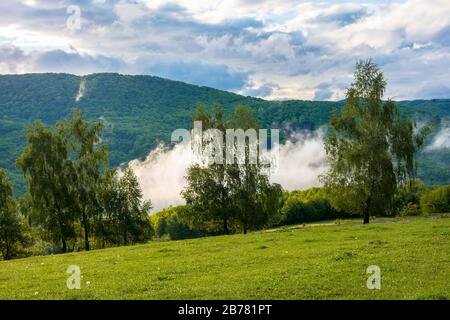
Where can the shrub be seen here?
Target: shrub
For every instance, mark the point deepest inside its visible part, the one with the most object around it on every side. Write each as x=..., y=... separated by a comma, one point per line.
x=174, y=223
x=407, y=199
x=308, y=205
x=411, y=209
x=436, y=201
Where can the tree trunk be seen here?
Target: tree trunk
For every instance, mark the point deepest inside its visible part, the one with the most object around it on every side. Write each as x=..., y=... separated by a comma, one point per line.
x=366, y=212
x=366, y=215
x=87, y=246
x=245, y=229
x=61, y=227
x=64, y=244
x=225, y=227
x=368, y=203
x=7, y=253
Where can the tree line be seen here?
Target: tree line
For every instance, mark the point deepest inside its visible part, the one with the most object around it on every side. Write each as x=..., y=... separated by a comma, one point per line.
x=235, y=192
x=73, y=198
x=75, y=201
x=303, y=206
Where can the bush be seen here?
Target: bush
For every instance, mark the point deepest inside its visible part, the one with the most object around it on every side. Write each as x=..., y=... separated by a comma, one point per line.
x=411, y=209
x=407, y=199
x=307, y=206
x=436, y=201
x=174, y=223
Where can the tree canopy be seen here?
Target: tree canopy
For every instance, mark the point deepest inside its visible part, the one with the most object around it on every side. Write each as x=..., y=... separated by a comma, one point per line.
x=371, y=149
x=70, y=186
x=232, y=192
x=11, y=232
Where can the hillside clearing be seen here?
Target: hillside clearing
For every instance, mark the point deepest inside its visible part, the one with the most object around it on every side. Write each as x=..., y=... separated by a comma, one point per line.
x=321, y=262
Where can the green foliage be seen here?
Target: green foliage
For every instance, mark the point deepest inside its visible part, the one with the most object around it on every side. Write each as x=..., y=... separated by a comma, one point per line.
x=411, y=209
x=48, y=168
x=436, y=201
x=209, y=196
x=370, y=148
x=256, y=201
x=309, y=205
x=125, y=218
x=407, y=198
x=11, y=229
x=88, y=171
x=177, y=223
x=208, y=191
x=73, y=194
x=139, y=112
x=229, y=191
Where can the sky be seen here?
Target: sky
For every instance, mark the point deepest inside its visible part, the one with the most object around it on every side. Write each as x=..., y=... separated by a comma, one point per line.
x=272, y=49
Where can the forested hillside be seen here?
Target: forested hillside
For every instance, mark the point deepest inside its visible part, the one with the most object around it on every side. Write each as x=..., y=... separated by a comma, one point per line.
x=141, y=111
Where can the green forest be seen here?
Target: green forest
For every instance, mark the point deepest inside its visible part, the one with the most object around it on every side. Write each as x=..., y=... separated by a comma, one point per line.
x=138, y=112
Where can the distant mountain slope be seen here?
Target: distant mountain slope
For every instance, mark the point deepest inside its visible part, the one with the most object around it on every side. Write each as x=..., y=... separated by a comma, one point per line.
x=141, y=111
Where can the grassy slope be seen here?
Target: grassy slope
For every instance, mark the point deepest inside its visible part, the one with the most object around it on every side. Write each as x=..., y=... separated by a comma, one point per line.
x=326, y=262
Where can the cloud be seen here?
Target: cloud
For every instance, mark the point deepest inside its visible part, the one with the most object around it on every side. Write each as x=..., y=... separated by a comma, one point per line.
x=441, y=140
x=302, y=161
x=74, y=62
x=162, y=174
x=196, y=72
x=342, y=15
x=15, y=60
x=436, y=91
x=261, y=91
x=295, y=46
x=323, y=92
x=12, y=60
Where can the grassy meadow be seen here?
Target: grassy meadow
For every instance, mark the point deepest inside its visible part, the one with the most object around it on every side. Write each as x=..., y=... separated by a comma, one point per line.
x=325, y=261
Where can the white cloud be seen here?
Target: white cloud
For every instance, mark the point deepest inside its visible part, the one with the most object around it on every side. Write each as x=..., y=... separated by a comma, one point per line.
x=302, y=161
x=441, y=140
x=162, y=174
x=129, y=11
x=296, y=46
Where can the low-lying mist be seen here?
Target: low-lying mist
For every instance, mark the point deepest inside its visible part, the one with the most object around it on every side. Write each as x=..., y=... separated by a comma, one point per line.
x=302, y=160
x=441, y=140
x=161, y=174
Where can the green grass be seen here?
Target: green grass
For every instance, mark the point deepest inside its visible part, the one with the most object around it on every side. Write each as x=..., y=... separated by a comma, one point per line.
x=312, y=262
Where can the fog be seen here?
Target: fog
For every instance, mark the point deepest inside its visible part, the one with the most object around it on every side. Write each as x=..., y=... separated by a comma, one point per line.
x=441, y=140
x=302, y=160
x=162, y=174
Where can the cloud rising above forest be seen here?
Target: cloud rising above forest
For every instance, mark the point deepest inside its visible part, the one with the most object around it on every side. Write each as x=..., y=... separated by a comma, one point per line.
x=441, y=140
x=162, y=174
